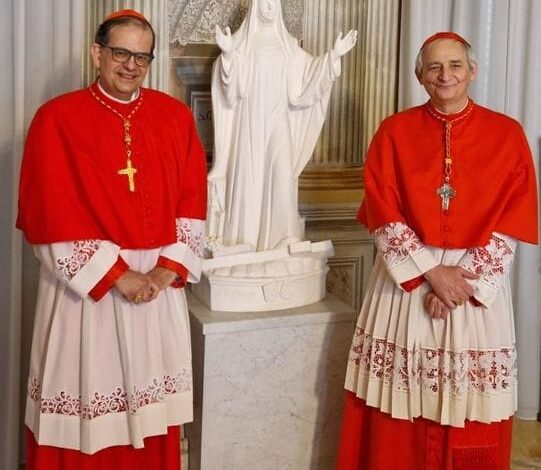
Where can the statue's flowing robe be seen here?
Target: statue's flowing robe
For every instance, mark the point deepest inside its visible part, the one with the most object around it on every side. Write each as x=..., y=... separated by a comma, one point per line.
x=269, y=105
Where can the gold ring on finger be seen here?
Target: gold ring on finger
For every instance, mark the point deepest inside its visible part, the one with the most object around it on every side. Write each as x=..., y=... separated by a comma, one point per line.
x=138, y=299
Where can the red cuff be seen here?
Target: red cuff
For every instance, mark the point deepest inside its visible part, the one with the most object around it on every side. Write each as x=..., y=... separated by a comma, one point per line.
x=179, y=269
x=412, y=284
x=108, y=281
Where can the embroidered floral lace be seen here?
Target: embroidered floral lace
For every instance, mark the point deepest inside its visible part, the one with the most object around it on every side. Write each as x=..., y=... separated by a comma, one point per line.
x=81, y=253
x=396, y=242
x=433, y=370
x=490, y=262
x=191, y=234
x=114, y=402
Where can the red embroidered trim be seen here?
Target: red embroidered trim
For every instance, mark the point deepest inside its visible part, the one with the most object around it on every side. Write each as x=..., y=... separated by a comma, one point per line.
x=412, y=284
x=436, y=370
x=180, y=269
x=108, y=281
x=116, y=401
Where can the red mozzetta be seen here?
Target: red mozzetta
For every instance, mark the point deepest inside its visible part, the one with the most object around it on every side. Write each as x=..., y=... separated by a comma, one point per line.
x=70, y=187
x=493, y=176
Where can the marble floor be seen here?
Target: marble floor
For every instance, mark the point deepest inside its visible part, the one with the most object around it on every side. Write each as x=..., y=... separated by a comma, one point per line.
x=526, y=445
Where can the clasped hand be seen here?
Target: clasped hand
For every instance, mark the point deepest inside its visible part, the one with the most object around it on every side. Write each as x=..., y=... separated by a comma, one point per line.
x=138, y=287
x=449, y=289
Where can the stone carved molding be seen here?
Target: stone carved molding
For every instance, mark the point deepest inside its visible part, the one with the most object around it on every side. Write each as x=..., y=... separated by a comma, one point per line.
x=353, y=245
x=193, y=21
x=341, y=279
x=331, y=178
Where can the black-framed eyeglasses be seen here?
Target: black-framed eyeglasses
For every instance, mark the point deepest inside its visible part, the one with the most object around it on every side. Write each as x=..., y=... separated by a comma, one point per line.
x=121, y=55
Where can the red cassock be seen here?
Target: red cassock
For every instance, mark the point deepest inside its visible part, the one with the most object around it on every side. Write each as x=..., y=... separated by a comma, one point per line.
x=422, y=392
x=117, y=401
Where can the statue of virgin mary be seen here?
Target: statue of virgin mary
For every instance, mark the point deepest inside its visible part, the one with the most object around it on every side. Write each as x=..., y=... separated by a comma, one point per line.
x=269, y=102
x=270, y=99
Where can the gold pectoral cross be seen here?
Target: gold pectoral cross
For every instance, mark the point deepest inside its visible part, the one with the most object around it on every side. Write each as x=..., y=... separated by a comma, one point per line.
x=129, y=171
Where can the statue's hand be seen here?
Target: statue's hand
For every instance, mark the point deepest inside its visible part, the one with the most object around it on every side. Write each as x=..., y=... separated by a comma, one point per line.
x=224, y=39
x=343, y=45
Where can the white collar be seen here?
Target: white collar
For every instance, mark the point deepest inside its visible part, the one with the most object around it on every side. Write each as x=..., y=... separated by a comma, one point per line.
x=454, y=112
x=134, y=96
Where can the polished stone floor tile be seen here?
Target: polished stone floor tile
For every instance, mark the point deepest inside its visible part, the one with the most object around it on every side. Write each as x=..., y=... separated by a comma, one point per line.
x=526, y=445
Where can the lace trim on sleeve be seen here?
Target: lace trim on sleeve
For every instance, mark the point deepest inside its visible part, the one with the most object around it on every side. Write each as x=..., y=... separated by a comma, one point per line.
x=81, y=254
x=191, y=234
x=397, y=242
x=492, y=261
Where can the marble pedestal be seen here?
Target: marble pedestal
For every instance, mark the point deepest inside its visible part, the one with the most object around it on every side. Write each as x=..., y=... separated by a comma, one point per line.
x=268, y=387
x=249, y=281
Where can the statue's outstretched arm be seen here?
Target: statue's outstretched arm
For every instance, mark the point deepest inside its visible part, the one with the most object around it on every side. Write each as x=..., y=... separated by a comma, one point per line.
x=224, y=39
x=343, y=45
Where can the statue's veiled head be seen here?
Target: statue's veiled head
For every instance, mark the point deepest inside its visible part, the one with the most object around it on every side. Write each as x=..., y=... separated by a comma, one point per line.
x=267, y=10
x=261, y=15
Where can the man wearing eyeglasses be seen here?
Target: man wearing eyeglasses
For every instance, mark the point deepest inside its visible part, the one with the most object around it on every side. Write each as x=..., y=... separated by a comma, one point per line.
x=120, y=76
x=113, y=200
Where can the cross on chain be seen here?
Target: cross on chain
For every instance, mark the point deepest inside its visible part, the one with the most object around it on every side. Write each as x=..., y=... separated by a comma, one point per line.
x=446, y=192
x=129, y=171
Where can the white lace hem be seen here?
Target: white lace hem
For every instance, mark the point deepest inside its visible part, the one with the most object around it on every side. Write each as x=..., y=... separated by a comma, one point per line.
x=441, y=385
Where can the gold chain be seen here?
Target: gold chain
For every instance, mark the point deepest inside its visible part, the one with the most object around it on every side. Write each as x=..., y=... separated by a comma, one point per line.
x=110, y=108
x=448, y=161
x=129, y=171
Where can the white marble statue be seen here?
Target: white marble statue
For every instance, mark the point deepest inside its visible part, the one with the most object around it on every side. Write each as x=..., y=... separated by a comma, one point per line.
x=269, y=102
x=269, y=99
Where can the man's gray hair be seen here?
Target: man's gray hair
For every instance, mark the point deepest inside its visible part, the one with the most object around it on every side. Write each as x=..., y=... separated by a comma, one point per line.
x=470, y=58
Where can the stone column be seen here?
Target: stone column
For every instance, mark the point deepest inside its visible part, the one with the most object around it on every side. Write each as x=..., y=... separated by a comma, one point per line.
x=156, y=12
x=362, y=96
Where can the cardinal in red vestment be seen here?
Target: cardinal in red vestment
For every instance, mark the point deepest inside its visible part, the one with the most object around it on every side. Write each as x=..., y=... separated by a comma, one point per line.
x=431, y=380
x=113, y=200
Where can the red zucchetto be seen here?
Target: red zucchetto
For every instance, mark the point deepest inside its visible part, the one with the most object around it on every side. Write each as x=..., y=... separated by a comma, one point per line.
x=445, y=35
x=121, y=13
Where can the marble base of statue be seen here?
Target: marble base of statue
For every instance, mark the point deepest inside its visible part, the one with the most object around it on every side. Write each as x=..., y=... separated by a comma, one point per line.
x=239, y=280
